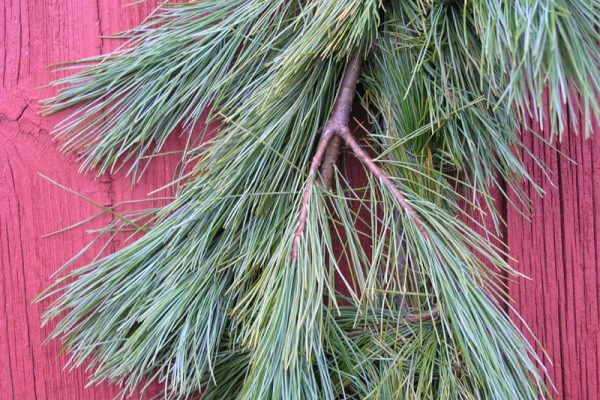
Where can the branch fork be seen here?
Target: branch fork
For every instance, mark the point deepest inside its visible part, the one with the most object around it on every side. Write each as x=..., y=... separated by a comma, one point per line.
x=328, y=150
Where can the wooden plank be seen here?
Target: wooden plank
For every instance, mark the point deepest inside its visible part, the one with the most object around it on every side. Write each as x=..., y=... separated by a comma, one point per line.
x=119, y=16
x=558, y=250
x=35, y=35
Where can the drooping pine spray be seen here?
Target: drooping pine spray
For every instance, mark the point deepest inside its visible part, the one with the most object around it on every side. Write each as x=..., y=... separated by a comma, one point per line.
x=236, y=291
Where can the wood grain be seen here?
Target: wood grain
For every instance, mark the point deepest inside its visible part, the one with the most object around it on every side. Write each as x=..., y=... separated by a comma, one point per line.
x=36, y=34
x=559, y=249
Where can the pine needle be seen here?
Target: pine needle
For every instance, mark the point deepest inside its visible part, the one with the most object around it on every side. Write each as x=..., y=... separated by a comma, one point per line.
x=269, y=276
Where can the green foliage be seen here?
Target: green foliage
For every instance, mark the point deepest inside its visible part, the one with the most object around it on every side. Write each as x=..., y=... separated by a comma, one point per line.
x=543, y=44
x=210, y=300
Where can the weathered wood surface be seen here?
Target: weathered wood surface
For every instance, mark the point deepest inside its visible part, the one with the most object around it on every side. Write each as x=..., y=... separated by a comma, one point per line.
x=34, y=35
x=559, y=250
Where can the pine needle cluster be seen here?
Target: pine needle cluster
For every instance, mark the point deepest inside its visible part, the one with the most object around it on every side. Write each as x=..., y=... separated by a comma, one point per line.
x=238, y=288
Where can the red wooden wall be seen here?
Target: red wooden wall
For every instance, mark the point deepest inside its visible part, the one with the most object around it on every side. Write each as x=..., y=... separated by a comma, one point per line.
x=559, y=250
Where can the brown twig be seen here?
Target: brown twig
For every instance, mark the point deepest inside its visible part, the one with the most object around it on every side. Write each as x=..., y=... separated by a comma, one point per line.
x=331, y=156
x=314, y=167
x=374, y=169
x=329, y=146
x=430, y=315
x=341, y=116
x=362, y=155
x=328, y=151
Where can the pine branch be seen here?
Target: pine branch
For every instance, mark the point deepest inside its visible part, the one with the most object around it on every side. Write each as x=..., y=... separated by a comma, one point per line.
x=341, y=116
x=362, y=155
x=208, y=300
x=329, y=145
x=328, y=150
